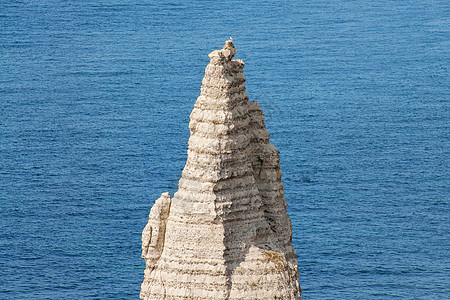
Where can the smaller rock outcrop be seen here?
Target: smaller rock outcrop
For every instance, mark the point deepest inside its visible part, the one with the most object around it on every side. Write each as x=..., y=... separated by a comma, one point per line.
x=154, y=232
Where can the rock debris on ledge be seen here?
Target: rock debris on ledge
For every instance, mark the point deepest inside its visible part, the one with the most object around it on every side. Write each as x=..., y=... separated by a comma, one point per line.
x=226, y=233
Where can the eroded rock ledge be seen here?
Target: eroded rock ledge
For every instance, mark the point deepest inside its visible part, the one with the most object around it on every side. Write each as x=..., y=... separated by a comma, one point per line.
x=226, y=233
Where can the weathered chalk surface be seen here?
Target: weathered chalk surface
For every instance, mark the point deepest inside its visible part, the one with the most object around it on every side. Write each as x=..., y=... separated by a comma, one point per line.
x=225, y=234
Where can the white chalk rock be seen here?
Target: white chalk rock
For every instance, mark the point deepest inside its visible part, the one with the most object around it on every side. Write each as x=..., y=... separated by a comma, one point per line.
x=226, y=233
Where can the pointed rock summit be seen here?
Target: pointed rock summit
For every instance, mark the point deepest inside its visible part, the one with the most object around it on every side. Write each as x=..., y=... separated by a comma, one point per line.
x=225, y=234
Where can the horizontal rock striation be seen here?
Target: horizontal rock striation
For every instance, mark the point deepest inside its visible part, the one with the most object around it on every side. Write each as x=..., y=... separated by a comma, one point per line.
x=226, y=233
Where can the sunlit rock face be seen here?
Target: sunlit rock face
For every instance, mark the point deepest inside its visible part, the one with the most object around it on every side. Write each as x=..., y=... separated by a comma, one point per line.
x=225, y=234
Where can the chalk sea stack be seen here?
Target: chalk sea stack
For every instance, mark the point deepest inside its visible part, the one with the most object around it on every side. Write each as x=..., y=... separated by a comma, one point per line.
x=226, y=233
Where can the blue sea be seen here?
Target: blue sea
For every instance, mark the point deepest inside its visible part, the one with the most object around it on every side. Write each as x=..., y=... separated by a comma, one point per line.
x=95, y=98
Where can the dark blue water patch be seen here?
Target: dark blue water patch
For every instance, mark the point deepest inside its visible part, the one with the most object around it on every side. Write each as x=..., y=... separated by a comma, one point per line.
x=94, y=107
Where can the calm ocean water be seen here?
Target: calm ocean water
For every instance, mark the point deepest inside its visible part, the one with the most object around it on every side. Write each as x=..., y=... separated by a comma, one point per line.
x=94, y=106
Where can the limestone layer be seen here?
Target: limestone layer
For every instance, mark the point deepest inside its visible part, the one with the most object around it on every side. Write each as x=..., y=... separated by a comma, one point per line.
x=225, y=234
